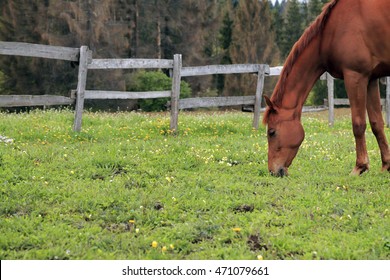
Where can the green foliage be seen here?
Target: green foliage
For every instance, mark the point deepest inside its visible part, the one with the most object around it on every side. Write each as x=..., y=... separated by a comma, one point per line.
x=110, y=191
x=225, y=40
x=225, y=33
x=278, y=23
x=252, y=20
x=293, y=26
x=339, y=89
x=319, y=93
x=2, y=82
x=314, y=9
x=154, y=81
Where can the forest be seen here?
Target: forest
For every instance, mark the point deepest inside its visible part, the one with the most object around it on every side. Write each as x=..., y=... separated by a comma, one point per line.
x=204, y=32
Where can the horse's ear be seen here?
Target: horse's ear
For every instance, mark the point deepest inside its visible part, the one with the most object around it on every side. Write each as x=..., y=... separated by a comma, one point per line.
x=269, y=103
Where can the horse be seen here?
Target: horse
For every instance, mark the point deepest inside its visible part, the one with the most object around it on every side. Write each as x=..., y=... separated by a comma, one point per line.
x=350, y=39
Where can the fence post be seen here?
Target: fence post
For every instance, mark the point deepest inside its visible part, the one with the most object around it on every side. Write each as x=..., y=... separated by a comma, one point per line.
x=259, y=92
x=175, y=94
x=388, y=102
x=330, y=85
x=82, y=81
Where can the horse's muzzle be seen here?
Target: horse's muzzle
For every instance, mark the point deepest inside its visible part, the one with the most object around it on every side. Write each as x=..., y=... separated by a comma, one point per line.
x=281, y=172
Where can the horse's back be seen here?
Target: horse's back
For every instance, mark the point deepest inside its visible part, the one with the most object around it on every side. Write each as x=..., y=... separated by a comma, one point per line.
x=357, y=37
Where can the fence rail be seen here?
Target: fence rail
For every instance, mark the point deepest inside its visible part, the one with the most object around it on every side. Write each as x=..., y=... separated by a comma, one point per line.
x=260, y=69
x=42, y=51
x=39, y=51
x=204, y=102
x=34, y=100
x=345, y=102
x=130, y=63
x=220, y=69
x=84, y=58
x=100, y=94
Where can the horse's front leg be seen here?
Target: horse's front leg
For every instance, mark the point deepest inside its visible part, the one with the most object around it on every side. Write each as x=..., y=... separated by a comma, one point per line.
x=356, y=86
x=377, y=123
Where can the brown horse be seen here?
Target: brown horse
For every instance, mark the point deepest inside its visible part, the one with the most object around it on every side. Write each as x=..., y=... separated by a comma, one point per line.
x=350, y=39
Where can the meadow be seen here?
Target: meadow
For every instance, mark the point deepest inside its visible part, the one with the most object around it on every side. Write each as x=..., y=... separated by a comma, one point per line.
x=125, y=188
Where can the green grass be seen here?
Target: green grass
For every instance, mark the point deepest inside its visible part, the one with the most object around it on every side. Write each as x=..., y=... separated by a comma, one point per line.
x=124, y=182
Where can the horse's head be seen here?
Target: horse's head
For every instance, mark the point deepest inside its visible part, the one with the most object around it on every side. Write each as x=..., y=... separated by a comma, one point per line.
x=285, y=134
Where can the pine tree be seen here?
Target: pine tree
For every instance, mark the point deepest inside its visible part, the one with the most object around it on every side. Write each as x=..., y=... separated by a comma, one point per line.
x=225, y=39
x=2, y=75
x=225, y=32
x=19, y=24
x=314, y=9
x=63, y=23
x=278, y=22
x=199, y=30
x=294, y=24
x=252, y=42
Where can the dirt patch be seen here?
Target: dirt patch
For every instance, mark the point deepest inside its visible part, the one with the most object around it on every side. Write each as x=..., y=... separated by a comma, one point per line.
x=244, y=208
x=256, y=243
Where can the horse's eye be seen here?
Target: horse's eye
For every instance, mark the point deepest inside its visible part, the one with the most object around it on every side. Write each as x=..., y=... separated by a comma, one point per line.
x=271, y=132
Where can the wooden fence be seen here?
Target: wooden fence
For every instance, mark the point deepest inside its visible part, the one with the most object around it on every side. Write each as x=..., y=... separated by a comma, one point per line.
x=260, y=69
x=99, y=64
x=84, y=57
x=42, y=51
x=176, y=104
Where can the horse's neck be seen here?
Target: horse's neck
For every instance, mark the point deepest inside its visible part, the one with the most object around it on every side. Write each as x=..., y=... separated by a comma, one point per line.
x=302, y=77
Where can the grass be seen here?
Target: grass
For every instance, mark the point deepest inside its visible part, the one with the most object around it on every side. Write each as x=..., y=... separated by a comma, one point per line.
x=125, y=189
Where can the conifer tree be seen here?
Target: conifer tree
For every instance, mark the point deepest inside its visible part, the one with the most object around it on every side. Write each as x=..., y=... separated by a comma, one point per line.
x=199, y=30
x=19, y=24
x=314, y=8
x=225, y=39
x=294, y=24
x=278, y=22
x=252, y=42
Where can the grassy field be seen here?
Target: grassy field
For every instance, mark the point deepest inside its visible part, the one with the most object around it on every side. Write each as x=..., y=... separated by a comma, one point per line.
x=125, y=189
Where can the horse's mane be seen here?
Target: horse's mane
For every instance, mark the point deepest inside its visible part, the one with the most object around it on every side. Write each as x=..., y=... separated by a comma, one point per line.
x=310, y=33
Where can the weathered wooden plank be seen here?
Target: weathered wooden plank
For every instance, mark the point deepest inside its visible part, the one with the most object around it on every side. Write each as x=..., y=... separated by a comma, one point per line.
x=130, y=63
x=275, y=71
x=43, y=51
x=345, y=101
x=258, y=96
x=34, y=100
x=175, y=93
x=341, y=101
x=82, y=81
x=331, y=100
x=100, y=94
x=188, y=103
x=220, y=69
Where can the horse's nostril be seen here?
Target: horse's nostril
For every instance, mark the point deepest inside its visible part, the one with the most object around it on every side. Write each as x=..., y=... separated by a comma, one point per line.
x=281, y=172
